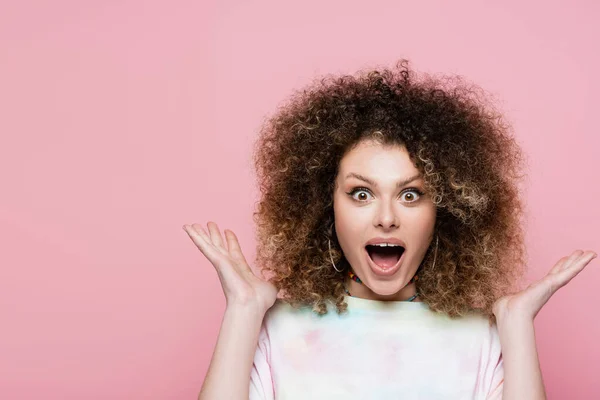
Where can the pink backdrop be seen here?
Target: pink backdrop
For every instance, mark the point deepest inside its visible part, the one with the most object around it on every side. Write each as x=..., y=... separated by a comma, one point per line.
x=122, y=120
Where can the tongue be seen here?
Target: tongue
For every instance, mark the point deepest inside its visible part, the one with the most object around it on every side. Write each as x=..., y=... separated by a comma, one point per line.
x=385, y=259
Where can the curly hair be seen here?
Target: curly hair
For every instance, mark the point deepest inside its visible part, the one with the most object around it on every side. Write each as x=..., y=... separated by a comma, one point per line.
x=470, y=163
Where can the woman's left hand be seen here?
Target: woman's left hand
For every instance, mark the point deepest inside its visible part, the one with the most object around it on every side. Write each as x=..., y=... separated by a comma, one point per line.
x=527, y=303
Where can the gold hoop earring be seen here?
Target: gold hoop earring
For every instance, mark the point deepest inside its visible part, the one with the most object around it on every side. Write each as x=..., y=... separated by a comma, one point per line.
x=331, y=258
x=435, y=252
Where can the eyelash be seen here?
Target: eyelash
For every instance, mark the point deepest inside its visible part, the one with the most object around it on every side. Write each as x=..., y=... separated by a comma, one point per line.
x=363, y=189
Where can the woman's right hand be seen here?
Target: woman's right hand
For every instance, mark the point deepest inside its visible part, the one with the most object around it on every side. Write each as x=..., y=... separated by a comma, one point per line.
x=240, y=285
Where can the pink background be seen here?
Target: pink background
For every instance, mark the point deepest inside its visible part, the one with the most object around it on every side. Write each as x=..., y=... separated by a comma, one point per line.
x=122, y=120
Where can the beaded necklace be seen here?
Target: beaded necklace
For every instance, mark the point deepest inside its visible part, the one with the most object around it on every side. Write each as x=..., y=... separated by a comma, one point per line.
x=355, y=278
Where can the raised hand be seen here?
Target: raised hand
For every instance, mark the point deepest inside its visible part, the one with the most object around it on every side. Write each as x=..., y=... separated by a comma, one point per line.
x=240, y=285
x=527, y=303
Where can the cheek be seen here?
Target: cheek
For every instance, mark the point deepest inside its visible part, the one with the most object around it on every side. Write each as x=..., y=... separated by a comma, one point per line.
x=430, y=218
x=423, y=229
x=424, y=224
x=349, y=228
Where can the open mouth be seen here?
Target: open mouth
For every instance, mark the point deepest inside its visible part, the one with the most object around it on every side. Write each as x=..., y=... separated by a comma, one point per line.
x=385, y=257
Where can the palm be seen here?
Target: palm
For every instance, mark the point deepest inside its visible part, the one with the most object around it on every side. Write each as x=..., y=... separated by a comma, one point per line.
x=240, y=285
x=528, y=302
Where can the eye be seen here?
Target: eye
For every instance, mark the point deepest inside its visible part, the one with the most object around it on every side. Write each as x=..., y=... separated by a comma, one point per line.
x=358, y=190
x=411, y=191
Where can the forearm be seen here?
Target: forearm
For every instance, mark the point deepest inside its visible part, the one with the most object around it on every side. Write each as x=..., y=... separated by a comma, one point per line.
x=522, y=373
x=228, y=376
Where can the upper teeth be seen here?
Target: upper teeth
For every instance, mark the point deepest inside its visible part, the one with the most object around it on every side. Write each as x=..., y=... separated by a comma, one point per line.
x=386, y=244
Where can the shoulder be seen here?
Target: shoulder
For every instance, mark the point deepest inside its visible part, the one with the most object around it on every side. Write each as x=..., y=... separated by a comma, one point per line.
x=479, y=326
x=283, y=311
x=475, y=320
x=474, y=325
x=283, y=317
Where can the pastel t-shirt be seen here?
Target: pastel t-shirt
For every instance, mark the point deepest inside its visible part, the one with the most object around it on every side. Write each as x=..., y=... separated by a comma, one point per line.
x=377, y=350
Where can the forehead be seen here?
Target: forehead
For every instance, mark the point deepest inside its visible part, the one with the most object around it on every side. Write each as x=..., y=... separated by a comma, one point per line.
x=374, y=158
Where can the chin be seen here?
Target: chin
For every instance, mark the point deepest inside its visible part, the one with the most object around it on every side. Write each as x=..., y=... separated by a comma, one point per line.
x=386, y=288
x=386, y=293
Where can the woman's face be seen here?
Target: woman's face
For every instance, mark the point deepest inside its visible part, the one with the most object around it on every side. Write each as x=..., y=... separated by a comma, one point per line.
x=368, y=205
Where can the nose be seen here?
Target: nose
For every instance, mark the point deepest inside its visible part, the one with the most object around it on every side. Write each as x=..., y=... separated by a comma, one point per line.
x=386, y=216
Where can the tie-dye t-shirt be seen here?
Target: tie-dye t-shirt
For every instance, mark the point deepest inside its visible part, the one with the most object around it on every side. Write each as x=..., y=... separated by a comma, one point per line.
x=377, y=350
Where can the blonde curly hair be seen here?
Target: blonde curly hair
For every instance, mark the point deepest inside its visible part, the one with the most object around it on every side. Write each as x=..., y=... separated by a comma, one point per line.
x=463, y=147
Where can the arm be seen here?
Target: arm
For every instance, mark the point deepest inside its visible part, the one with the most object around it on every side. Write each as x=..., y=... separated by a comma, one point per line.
x=248, y=300
x=522, y=374
x=228, y=375
x=514, y=316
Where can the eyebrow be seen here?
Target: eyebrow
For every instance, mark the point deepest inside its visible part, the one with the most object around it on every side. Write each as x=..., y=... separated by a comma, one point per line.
x=371, y=182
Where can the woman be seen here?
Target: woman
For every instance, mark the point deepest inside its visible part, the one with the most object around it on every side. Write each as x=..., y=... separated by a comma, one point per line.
x=390, y=221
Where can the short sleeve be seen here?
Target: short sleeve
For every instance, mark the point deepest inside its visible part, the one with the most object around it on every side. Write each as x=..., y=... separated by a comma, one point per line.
x=261, y=381
x=497, y=381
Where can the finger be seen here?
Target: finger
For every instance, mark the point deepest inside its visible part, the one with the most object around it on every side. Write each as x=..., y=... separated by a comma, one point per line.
x=559, y=264
x=564, y=276
x=583, y=260
x=206, y=236
x=199, y=230
x=215, y=235
x=234, y=247
x=203, y=243
x=572, y=259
